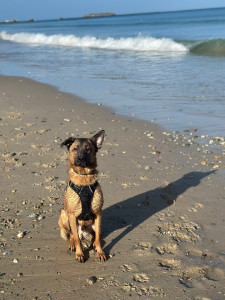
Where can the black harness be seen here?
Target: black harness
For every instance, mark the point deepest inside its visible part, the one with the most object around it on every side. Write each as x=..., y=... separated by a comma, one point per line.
x=85, y=192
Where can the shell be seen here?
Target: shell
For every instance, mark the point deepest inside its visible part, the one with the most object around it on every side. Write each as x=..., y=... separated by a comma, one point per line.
x=20, y=235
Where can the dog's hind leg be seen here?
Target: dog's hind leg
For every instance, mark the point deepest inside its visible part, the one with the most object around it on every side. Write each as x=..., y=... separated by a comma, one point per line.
x=64, y=225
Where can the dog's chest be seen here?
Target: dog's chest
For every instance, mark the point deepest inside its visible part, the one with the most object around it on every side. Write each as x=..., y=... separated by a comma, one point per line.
x=85, y=194
x=85, y=203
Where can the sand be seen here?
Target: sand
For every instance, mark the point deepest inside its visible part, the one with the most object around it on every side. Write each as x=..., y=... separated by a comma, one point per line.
x=163, y=218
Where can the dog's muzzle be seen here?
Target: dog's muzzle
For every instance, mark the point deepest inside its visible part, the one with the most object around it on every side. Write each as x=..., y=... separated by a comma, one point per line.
x=81, y=161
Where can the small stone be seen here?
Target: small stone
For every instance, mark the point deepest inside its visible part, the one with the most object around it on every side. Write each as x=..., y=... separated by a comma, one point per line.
x=91, y=280
x=20, y=274
x=101, y=278
x=20, y=235
x=15, y=261
x=216, y=167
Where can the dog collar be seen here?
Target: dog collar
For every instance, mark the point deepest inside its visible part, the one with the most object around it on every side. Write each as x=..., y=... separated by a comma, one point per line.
x=92, y=173
x=78, y=189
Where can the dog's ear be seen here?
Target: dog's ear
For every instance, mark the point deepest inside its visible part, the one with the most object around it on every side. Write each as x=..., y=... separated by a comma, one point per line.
x=98, y=139
x=68, y=142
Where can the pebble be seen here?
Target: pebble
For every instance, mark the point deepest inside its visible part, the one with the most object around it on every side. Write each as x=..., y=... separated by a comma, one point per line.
x=91, y=280
x=32, y=215
x=20, y=235
x=216, y=167
x=101, y=278
x=15, y=261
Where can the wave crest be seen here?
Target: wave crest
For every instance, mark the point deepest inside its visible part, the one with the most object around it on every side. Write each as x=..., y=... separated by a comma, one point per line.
x=133, y=44
x=214, y=47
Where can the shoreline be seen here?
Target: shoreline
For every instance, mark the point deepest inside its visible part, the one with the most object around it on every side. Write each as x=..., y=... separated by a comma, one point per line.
x=187, y=137
x=163, y=217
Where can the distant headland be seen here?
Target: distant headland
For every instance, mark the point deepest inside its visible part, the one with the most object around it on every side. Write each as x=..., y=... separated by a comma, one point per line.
x=94, y=15
x=15, y=21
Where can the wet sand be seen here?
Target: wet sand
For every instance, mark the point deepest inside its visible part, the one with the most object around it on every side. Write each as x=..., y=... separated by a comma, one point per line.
x=164, y=210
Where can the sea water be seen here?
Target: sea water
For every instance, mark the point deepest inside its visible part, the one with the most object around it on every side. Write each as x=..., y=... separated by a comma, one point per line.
x=167, y=68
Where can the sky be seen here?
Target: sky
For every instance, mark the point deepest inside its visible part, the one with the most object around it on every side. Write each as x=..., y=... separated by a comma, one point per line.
x=53, y=9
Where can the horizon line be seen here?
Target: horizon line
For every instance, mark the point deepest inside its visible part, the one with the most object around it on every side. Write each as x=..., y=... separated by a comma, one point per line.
x=115, y=15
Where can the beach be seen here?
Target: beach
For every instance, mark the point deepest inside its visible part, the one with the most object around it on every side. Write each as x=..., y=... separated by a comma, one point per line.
x=163, y=216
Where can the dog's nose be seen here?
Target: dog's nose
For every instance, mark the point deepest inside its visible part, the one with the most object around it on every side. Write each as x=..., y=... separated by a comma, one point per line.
x=81, y=158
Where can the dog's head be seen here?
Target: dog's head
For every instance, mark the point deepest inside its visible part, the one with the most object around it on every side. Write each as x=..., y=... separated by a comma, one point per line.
x=82, y=151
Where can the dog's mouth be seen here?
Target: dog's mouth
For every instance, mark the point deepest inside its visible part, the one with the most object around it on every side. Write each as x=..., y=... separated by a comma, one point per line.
x=81, y=164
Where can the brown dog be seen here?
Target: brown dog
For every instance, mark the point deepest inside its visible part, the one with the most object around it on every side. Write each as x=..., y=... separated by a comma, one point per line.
x=82, y=213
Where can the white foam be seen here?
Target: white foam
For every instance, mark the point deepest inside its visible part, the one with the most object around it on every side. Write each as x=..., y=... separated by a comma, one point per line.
x=133, y=44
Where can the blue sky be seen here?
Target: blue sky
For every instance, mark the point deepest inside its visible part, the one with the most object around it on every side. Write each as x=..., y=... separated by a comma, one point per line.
x=52, y=9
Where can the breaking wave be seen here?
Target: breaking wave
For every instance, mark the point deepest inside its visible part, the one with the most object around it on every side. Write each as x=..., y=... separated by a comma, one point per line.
x=147, y=44
x=213, y=47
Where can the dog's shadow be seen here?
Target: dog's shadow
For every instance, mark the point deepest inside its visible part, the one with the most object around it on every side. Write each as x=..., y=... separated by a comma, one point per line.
x=130, y=213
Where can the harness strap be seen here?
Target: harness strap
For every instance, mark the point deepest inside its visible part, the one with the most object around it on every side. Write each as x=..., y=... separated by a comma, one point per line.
x=85, y=192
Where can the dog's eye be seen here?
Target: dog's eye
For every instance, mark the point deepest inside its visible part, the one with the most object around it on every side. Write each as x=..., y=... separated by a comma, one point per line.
x=88, y=149
x=75, y=149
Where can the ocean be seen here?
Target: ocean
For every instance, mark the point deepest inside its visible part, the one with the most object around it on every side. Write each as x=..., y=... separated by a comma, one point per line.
x=167, y=68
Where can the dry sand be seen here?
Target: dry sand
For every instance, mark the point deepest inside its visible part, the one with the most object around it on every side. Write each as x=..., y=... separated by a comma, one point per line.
x=163, y=225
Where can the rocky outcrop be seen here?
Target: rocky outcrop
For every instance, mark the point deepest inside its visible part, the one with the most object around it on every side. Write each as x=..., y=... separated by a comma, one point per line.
x=99, y=15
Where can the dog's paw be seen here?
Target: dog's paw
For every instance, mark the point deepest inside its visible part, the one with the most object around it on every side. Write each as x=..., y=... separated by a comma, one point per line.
x=80, y=257
x=72, y=247
x=101, y=256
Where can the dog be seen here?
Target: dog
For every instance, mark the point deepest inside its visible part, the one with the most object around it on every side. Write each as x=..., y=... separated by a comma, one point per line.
x=81, y=217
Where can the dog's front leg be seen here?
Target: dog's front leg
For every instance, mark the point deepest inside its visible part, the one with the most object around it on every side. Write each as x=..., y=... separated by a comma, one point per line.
x=97, y=242
x=77, y=242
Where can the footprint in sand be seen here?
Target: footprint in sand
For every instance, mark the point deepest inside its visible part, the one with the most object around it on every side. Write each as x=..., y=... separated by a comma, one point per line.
x=194, y=275
x=141, y=277
x=213, y=273
x=170, y=263
x=149, y=291
x=143, y=248
x=167, y=248
x=196, y=207
x=126, y=268
x=191, y=276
